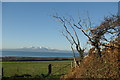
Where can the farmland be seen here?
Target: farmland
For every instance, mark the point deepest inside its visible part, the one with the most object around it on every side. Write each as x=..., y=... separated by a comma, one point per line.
x=35, y=68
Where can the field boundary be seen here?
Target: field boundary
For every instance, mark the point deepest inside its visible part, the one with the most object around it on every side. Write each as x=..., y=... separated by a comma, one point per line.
x=35, y=58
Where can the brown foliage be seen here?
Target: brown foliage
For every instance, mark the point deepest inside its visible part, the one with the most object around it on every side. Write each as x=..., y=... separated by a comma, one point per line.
x=93, y=66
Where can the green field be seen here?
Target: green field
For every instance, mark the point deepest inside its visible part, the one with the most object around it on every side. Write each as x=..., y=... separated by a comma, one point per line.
x=34, y=68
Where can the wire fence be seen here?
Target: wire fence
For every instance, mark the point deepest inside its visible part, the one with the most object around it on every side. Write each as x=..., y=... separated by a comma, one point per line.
x=60, y=70
x=33, y=70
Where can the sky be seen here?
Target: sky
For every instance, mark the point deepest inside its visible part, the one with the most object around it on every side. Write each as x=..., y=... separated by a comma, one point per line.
x=60, y=0
x=0, y=25
x=119, y=8
x=27, y=24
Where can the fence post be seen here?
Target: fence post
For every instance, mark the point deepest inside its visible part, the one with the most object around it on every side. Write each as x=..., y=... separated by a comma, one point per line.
x=49, y=69
x=71, y=64
x=2, y=72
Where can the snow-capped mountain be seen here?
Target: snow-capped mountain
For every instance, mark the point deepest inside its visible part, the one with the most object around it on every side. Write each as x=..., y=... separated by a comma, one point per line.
x=37, y=49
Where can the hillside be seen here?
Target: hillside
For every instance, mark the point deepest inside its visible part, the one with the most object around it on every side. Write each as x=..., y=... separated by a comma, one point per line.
x=93, y=66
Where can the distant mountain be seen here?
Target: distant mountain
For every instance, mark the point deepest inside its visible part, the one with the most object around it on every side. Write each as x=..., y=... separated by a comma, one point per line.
x=40, y=49
x=37, y=49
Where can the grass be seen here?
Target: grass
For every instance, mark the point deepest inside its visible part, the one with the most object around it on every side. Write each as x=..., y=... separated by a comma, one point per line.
x=34, y=68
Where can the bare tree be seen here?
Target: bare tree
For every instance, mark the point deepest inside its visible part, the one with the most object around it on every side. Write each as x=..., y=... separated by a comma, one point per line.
x=71, y=45
x=94, y=40
x=72, y=38
x=111, y=26
x=96, y=36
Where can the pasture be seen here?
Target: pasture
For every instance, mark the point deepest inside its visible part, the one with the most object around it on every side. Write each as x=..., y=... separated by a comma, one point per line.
x=35, y=68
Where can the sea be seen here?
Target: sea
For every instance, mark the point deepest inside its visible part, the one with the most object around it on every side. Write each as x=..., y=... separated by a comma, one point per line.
x=35, y=54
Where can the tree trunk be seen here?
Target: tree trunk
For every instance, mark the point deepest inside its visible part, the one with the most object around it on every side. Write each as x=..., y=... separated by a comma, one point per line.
x=98, y=50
